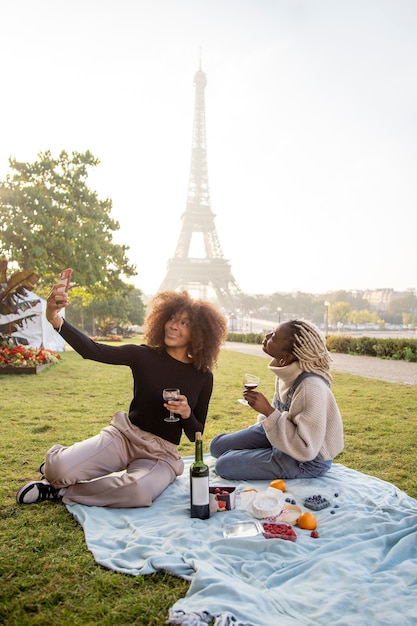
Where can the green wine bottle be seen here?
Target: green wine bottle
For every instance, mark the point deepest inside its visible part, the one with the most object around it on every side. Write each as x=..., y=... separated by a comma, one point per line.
x=199, y=483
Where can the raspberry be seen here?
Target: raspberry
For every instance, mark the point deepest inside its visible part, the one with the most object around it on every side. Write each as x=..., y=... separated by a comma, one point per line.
x=279, y=531
x=314, y=534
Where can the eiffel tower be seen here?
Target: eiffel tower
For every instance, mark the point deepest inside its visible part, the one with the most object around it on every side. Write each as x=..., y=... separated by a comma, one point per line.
x=213, y=271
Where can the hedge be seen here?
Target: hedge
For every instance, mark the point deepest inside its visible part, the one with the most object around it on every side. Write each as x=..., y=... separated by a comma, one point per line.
x=391, y=348
x=395, y=349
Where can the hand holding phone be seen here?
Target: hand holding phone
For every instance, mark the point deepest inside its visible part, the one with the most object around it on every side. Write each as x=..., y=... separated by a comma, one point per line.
x=64, y=281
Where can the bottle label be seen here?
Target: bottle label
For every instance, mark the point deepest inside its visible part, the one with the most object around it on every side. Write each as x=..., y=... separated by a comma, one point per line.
x=200, y=491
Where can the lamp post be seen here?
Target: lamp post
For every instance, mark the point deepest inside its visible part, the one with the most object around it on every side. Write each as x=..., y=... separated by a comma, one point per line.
x=239, y=322
x=326, y=317
x=279, y=314
x=232, y=319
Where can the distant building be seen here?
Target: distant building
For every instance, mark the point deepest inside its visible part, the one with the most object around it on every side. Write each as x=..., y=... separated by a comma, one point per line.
x=379, y=299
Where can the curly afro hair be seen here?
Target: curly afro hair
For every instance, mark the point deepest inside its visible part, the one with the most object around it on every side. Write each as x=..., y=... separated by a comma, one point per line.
x=208, y=326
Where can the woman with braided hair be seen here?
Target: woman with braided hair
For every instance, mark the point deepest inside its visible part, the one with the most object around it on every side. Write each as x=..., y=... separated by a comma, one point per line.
x=301, y=432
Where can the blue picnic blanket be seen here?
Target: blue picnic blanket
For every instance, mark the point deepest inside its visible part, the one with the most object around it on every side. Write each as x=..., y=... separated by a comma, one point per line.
x=362, y=569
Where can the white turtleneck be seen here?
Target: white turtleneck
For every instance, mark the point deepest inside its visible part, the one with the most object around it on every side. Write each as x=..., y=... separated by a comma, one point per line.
x=286, y=376
x=313, y=425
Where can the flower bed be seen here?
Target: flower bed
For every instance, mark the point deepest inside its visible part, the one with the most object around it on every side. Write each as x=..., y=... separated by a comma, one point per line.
x=10, y=371
x=25, y=359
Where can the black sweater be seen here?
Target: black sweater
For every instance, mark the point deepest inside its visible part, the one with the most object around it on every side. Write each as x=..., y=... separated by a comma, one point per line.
x=152, y=370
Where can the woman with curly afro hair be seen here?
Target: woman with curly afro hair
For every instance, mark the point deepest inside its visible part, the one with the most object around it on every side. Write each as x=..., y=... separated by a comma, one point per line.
x=131, y=461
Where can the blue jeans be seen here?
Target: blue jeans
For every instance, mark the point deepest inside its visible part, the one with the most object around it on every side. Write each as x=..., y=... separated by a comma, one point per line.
x=248, y=455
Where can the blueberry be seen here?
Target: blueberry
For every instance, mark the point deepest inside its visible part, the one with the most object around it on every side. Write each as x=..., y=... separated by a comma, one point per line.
x=316, y=502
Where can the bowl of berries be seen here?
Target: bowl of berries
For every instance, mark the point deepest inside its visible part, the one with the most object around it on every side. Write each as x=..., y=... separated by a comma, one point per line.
x=274, y=530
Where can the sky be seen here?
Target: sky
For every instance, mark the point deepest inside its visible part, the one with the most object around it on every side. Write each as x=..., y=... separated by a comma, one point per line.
x=310, y=117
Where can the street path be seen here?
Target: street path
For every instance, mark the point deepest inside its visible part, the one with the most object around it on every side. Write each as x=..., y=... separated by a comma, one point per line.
x=367, y=366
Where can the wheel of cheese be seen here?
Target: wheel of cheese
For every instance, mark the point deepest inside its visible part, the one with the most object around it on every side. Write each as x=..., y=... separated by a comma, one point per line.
x=266, y=506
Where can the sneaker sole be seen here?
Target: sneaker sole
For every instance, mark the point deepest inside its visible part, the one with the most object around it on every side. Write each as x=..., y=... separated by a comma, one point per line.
x=23, y=491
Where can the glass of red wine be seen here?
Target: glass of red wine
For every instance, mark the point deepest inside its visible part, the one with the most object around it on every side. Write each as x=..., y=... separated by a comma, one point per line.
x=250, y=382
x=170, y=394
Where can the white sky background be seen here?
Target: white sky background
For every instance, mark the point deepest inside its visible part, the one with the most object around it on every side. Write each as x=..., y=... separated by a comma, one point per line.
x=311, y=127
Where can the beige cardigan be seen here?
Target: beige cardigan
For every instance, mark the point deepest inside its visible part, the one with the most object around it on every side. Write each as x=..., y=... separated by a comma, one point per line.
x=313, y=425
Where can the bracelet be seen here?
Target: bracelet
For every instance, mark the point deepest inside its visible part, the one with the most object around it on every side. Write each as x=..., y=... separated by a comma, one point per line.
x=58, y=330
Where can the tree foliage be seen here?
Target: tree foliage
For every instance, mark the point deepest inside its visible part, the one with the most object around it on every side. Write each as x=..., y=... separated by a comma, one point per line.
x=105, y=315
x=50, y=219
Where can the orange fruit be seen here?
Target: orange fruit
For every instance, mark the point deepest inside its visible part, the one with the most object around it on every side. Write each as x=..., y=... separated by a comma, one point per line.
x=278, y=484
x=307, y=520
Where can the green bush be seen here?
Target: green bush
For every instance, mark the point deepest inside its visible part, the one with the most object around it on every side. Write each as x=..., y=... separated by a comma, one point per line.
x=397, y=349
x=391, y=348
x=410, y=354
x=365, y=346
x=340, y=343
x=256, y=338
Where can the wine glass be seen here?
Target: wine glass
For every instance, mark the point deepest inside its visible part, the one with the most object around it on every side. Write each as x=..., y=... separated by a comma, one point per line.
x=250, y=382
x=168, y=394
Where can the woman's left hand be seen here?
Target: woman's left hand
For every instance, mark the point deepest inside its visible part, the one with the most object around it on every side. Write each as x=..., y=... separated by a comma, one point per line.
x=180, y=406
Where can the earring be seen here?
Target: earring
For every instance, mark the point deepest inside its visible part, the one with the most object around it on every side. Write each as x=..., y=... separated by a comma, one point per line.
x=281, y=362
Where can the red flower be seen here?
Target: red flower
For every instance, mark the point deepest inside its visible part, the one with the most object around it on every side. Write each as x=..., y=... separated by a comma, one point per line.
x=25, y=356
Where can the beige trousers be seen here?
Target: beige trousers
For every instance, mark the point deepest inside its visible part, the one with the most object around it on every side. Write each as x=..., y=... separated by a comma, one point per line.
x=86, y=467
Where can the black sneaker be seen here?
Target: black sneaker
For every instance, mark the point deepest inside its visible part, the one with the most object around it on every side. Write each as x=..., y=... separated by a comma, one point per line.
x=36, y=491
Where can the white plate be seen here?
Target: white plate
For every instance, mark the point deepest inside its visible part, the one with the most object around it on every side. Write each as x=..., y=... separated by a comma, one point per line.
x=244, y=402
x=289, y=514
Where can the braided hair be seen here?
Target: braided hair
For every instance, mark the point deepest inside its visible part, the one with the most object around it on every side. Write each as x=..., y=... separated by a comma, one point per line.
x=309, y=346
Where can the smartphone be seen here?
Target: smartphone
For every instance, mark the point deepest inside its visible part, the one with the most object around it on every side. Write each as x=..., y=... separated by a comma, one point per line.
x=64, y=281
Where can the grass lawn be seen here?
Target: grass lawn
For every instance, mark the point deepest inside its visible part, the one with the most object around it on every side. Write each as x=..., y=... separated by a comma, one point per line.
x=47, y=575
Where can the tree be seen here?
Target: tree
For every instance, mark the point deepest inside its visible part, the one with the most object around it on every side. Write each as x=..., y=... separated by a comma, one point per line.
x=50, y=219
x=112, y=313
x=339, y=313
x=355, y=299
x=363, y=316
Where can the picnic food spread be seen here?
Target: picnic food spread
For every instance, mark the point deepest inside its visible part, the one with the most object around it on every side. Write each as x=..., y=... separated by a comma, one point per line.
x=275, y=515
